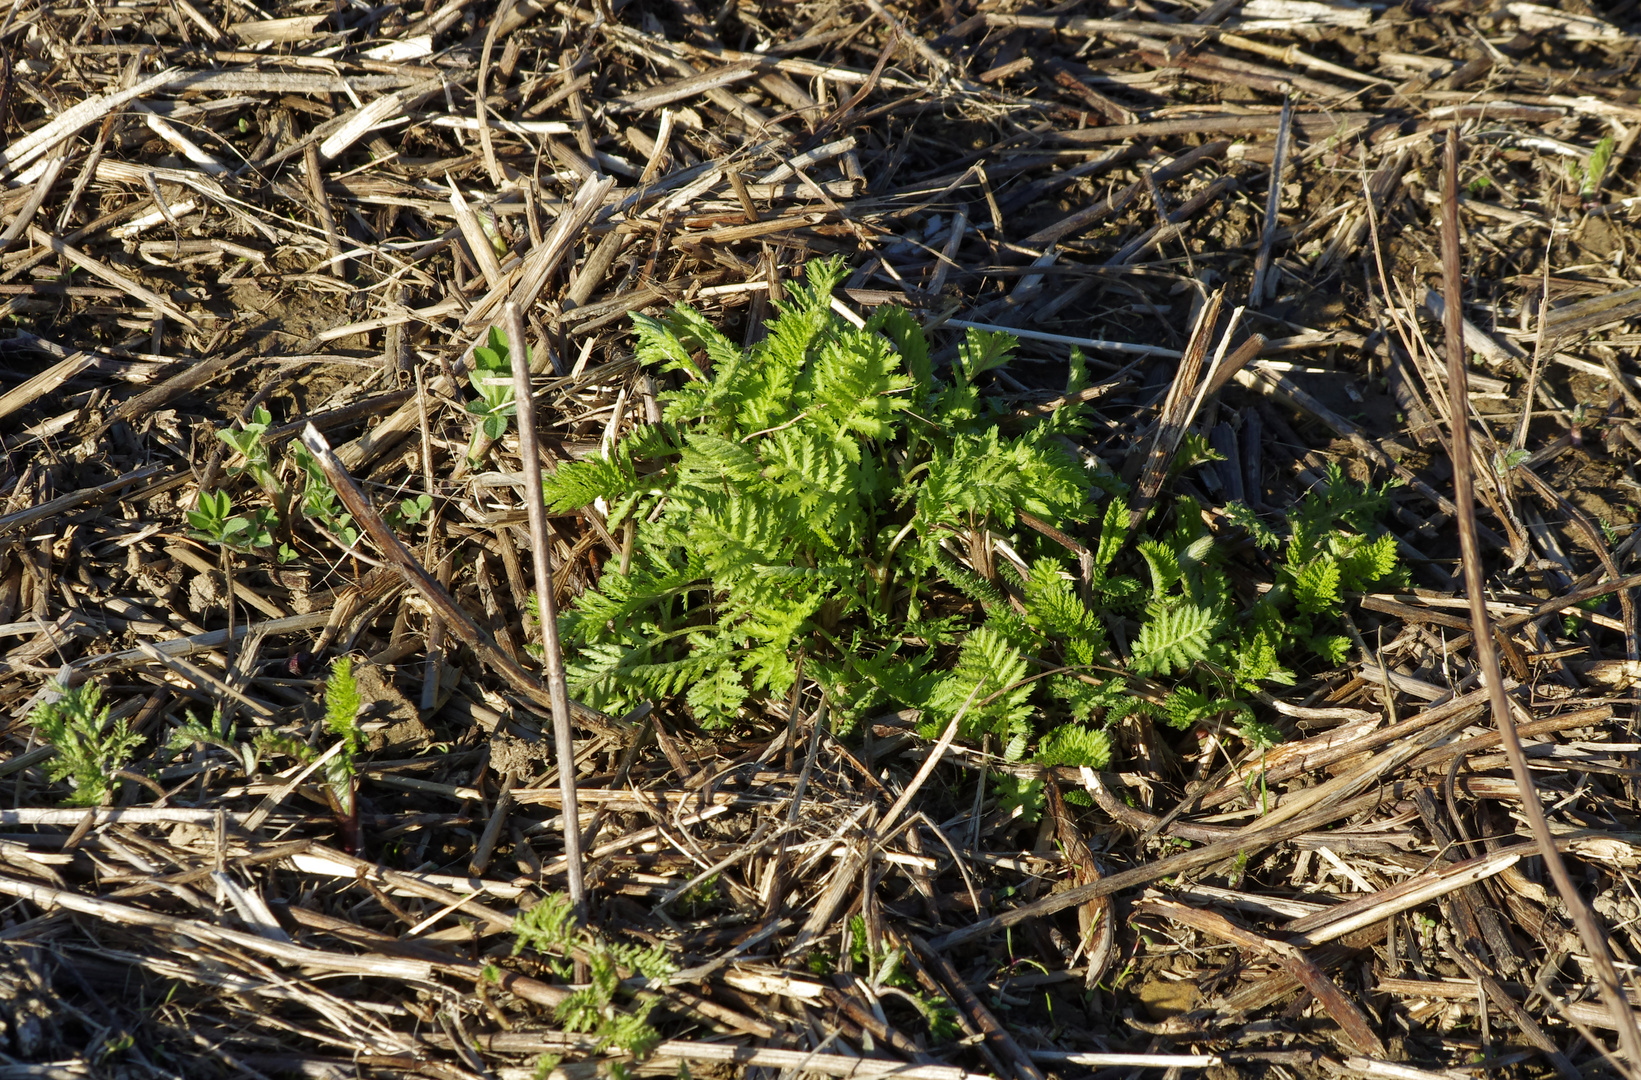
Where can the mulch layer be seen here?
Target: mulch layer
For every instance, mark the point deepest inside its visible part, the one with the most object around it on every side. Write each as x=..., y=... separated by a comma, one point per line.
x=212, y=208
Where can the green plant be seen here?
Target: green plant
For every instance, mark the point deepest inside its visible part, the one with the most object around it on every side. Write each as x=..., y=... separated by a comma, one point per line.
x=343, y=702
x=550, y=927
x=492, y=231
x=491, y=377
x=250, y=444
x=1505, y=461
x=1596, y=169
x=214, y=520
x=1018, y=797
x=320, y=501
x=314, y=495
x=89, y=749
x=219, y=733
x=700, y=896
x=1334, y=547
x=886, y=974
x=409, y=511
x=825, y=493
x=112, y=1046
x=821, y=490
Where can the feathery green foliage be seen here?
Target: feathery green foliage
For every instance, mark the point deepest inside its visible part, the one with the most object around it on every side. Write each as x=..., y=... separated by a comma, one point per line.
x=343, y=701
x=342, y=704
x=217, y=732
x=89, y=750
x=883, y=969
x=550, y=927
x=825, y=493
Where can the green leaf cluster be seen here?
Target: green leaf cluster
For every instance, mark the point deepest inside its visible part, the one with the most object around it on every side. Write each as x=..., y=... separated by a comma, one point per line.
x=1335, y=547
x=826, y=494
x=311, y=496
x=90, y=750
x=550, y=927
x=491, y=376
x=343, y=702
x=883, y=968
x=214, y=520
x=824, y=491
x=249, y=443
x=319, y=499
x=1588, y=174
x=217, y=732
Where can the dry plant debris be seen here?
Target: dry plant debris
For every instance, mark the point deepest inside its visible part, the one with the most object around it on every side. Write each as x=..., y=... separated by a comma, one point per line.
x=225, y=226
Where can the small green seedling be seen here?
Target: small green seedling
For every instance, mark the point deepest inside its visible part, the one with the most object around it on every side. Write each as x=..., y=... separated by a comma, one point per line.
x=550, y=927
x=1505, y=461
x=492, y=230
x=342, y=704
x=1600, y=157
x=214, y=520
x=491, y=377
x=248, y=442
x=887, y=975
x=408, y=511
x=217, y=732
x=89, y=750
x=320, y=501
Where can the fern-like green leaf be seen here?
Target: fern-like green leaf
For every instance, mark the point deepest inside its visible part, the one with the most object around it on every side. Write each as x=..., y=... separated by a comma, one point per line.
x=1164, y=565
x=716, y=699
x=1186, y=707
x=1363, y=562
x=1256, y=660
x=1241, y=514
x=90, y=750
x=1174, y=637
x=343, y=701
x=1054, y=609
x=902, y=328
x=1334, y=648
x=575, y=484
x=982, y=351
x=1018, y=798
x=987, y=680
x=1316, y=586
x=857, y=388
x=1075, y=745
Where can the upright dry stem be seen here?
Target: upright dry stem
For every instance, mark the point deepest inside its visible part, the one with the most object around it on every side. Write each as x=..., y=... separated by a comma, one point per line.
x=1589, y=930
x=558, y=691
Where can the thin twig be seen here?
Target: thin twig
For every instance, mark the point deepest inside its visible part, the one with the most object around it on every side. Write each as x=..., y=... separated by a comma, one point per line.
x=1589, y=929
x=535, y=505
